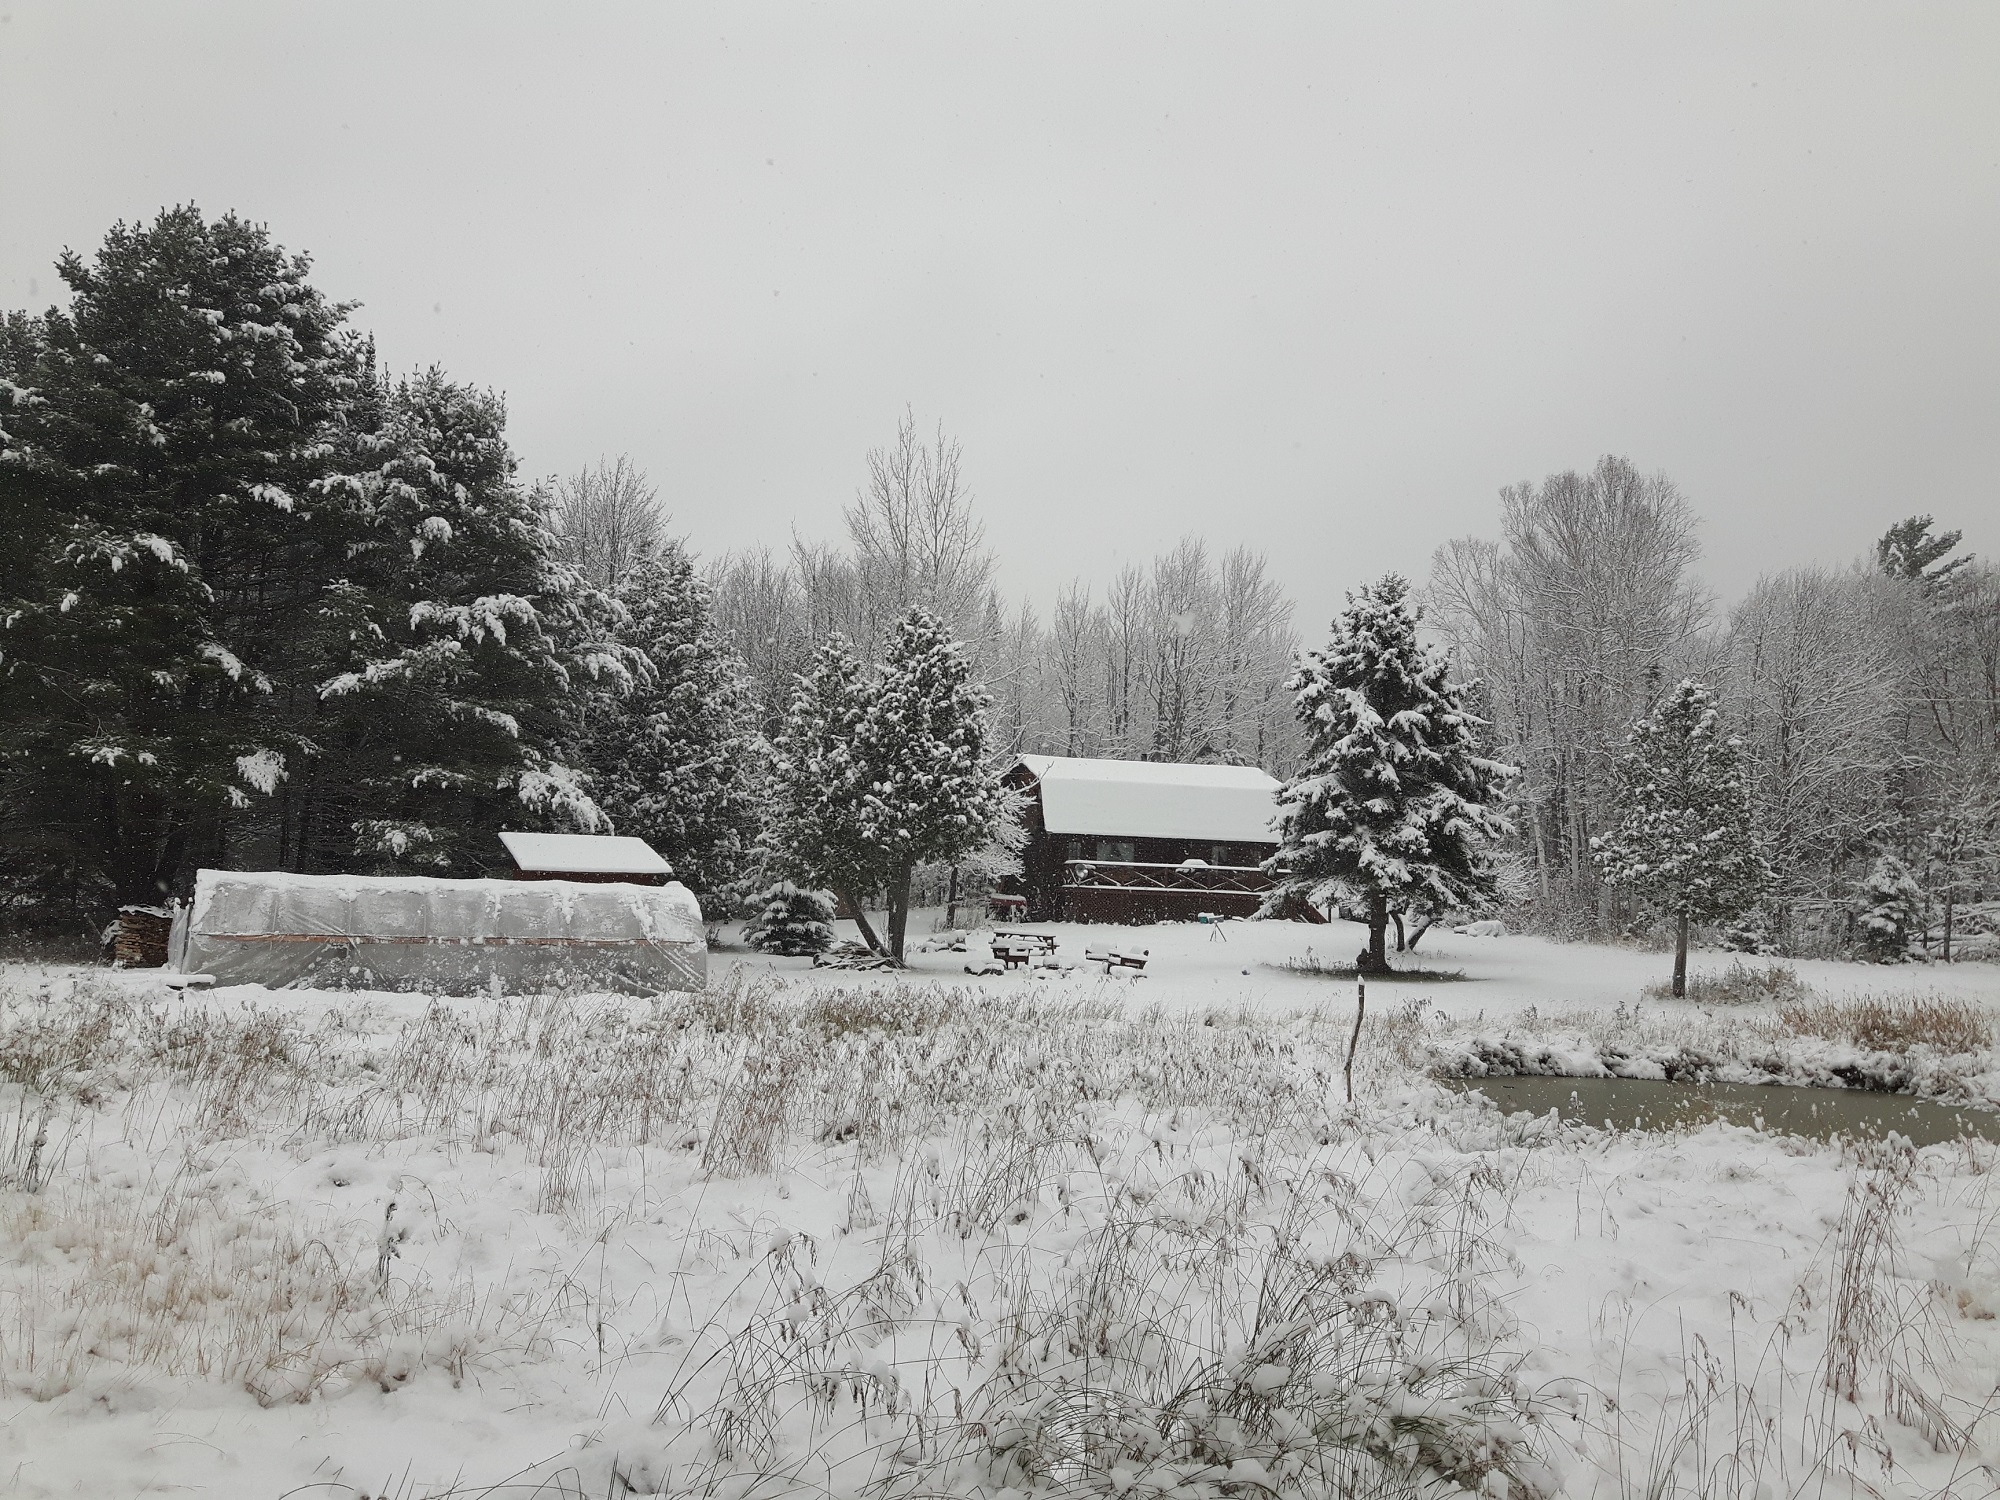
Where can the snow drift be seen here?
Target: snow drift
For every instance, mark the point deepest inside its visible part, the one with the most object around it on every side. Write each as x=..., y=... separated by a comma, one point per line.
x=444, y=936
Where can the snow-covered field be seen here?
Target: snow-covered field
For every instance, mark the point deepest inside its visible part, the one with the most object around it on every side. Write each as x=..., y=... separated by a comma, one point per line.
x=817, y=1233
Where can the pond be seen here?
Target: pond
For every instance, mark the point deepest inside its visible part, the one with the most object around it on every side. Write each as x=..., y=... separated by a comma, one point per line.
x=1652, y=1104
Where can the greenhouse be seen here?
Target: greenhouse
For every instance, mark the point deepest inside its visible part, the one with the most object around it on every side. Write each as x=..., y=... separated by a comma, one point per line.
x=443, y=936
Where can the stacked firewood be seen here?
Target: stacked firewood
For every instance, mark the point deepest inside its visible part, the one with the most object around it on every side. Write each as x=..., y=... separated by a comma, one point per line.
x=853, y=956
x=141, y=942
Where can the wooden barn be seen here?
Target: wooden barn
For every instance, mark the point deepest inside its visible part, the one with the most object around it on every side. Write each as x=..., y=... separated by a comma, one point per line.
x=1143, y=841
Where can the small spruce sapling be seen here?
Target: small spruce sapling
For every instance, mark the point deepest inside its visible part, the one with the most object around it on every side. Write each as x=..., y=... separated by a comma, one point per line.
x=1893, y=912
x=792, y=922
x=1683, y=840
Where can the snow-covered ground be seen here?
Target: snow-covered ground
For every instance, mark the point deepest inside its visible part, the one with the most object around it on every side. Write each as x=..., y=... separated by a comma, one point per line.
x=931, y=1234
x=1258, y=965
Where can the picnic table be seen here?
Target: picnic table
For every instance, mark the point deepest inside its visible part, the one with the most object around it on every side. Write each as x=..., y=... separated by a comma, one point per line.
x=1127, y=960
x=1040, y=942
x=1003, y=906
x=1014, y=955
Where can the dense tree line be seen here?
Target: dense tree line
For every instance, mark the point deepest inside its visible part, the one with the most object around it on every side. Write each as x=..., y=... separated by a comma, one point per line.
x=265, y=604
x=1866, y=700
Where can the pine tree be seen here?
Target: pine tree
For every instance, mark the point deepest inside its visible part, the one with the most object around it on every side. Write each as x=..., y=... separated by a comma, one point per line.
x=878, y=775
x=256, y=602
x=1396, y=807
x=164, y=440
x=1908, y=550
x=449, y=651
x=677, y=761
x=1683, y=839
x=790, y=921
x=1893, y=911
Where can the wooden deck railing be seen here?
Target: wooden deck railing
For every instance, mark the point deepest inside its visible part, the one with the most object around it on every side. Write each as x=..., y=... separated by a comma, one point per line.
x=1127, y=875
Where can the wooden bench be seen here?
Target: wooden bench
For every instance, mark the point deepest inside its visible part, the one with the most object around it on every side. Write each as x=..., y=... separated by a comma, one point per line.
x=1040, y=942
x=1129, y=960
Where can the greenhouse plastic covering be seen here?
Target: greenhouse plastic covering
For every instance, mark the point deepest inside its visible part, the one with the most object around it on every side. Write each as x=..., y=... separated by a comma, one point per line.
x=444, y=936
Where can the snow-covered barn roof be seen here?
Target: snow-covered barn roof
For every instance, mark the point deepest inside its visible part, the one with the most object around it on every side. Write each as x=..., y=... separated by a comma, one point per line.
x=584, y=854
x=1152, y=800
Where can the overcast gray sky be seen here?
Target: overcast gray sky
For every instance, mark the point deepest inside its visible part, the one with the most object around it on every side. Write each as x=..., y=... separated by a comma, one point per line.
x=1318, y=278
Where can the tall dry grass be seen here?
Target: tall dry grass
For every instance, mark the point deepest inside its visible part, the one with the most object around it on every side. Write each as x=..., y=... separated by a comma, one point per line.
x=1892, y=1023
x=1080, y=1250
x=1740, y=984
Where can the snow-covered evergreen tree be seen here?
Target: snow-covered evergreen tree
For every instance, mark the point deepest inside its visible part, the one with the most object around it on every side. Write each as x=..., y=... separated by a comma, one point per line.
x=160, y=444
x=930, y=796
x=677, y=761
x=1909, y=550
x=1683, y=840
x=877, y=775
x=1396, y=807
x=258, y=603
x=451, y=648
x=790, y=921
x=1962, y=849
x=1892, y=910
x=819, y=784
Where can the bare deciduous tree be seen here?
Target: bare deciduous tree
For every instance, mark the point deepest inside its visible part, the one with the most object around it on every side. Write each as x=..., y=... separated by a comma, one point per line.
x=1123, y=629
x=757, y=611
x=1181, y=666
x=1809, y=682
x=915, y=539
x=1574, y=625
x=1254, y=646
x=608, y=520
x=1075, y=645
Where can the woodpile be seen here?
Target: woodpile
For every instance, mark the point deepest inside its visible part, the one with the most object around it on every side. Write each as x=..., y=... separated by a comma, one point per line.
x=141, y=942
x=853, y=956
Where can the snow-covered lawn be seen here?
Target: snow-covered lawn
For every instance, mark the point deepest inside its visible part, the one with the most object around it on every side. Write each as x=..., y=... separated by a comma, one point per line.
x=1195, y=966
x=923, y=1234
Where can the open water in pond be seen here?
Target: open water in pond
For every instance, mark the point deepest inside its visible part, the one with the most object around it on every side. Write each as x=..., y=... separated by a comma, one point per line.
x=1651, y=1104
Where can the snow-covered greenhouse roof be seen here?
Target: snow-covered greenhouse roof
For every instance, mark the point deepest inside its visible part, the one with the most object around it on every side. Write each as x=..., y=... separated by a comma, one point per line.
x=583, y=854
x=1153, y=800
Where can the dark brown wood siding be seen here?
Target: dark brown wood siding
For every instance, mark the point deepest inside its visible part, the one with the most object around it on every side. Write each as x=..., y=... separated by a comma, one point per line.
x=1043, y=858
x=590, y=879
